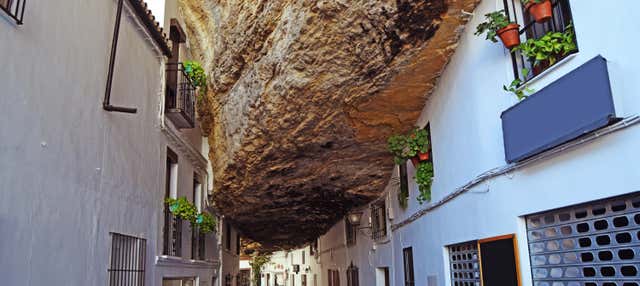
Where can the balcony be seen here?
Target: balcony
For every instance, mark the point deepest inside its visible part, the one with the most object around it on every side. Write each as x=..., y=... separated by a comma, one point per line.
x=180, y=99
x=172, y=234
x=14, y=9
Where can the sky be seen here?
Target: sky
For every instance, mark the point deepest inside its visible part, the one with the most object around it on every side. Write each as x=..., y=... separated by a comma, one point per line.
x=157, y=7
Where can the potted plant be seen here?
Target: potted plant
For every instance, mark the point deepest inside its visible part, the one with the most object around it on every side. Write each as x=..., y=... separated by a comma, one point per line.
x=424, y=178
x=415, y=146
x=548, y=49
x=540, y=10
x=206, y=223
x=497, y=24
x=183, y=209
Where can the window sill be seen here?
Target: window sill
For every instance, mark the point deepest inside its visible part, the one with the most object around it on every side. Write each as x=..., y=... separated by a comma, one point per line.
x=173, y=261
x=548, y=71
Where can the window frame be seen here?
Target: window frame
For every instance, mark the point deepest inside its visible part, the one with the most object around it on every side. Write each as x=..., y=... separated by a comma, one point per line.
x=515, y=12
x=378, y=220
x=407, y=259
x=352, y=275
x=350, y=233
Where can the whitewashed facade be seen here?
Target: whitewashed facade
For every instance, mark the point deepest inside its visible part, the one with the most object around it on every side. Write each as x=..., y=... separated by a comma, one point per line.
x=467, y=140
x=81, y=187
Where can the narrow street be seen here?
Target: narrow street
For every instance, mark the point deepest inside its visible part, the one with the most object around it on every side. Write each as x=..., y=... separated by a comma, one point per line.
x=319, y=143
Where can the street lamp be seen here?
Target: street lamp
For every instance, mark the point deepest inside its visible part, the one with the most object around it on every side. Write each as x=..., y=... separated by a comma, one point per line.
x=354, y=218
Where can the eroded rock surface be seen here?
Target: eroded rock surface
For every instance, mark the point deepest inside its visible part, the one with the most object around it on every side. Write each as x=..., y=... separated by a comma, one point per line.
x=302, y=97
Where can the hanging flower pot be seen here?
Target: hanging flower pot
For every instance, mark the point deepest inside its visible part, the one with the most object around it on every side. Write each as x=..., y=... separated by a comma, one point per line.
x=421, y=157
x=510, y=35
x=541, y=12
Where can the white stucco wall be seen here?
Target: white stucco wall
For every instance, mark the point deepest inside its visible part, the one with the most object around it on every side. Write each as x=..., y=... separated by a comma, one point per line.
x=464, y=115
x=70, y=172
x=281, y=265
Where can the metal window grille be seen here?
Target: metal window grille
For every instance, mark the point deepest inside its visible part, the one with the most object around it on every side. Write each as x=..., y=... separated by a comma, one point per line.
x=594, y=244
x=227, y=279
x=352, y=275
x=172, y=234
x=14, y=8
x=464, y=264
x=531, y=30
x=379, y=220
x=407, y=255
x=127, y=264
x=350, y=232
x=244, y=278
x=197, y=244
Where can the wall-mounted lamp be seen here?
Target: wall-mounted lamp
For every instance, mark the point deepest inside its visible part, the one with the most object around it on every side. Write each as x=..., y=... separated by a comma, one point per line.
x=355, y=219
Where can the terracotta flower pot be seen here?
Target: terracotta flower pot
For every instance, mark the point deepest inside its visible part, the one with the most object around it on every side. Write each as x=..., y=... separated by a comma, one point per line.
x=541, y=12
x=509, y=35
x=423, y=156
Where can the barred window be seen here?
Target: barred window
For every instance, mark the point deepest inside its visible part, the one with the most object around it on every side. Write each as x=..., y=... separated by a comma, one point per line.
x=378, y=220
x=530, y=29
x=350, y=232
x=464, y=264
x=127, y=264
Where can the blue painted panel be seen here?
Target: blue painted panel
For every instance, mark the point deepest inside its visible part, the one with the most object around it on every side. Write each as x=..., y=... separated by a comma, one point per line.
x=578, y=103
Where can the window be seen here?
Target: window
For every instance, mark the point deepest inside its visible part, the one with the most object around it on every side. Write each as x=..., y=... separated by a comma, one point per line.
x=597, y=241
x=293, y=280
x=379, y=220
x=180, y=91
x=313, y=248
x=303, y=258
x=197, y=237
x=333, y=278
x=238, y=245
x=303, y=279
x=227, y=236
x=407, y=255
x=350, y=232
x=127, y=264
x=464, y=264
x=560, y=20
x=382, y=277
x=178, y=282
x=244, y=278
x=14, y=8
x=352, y=275
x=172, y=228
x=227, y=279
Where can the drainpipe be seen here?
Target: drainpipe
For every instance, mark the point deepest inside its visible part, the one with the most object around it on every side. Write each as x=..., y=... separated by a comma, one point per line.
x=106, y=104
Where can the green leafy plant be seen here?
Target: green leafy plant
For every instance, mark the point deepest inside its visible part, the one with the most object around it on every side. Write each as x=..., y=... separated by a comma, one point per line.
x=196, y=74
x=206, y=222
x=404, y=147
x=494, y=22
x=515, y=86
x=424, y=178
x=183, y=209
x=257, y=261
x=525, y=2
x=550, y=47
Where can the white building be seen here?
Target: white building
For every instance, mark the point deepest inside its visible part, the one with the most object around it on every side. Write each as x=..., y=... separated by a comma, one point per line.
x=297, y=267
x=89, y=151
x=564, y=212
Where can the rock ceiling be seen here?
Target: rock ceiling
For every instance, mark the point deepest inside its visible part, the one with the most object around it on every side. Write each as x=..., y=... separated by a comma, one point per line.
x=302, y=97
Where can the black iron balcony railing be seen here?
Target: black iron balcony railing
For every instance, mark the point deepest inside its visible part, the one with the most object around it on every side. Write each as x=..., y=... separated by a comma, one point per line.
x=180, y=100
x=15, y=9
x=172, y=245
